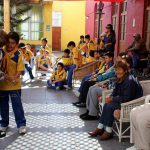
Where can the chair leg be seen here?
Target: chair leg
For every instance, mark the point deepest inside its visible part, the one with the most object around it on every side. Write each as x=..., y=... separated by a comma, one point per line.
x=120, y=131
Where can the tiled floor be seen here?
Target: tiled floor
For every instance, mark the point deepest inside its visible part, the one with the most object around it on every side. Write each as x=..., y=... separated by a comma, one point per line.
x=54, y=124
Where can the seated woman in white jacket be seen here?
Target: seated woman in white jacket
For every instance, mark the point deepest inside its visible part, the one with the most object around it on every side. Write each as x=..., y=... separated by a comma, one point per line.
x=140, y=127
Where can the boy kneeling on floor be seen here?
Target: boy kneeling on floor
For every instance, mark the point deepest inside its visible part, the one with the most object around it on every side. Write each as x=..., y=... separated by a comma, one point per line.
x=58, y=78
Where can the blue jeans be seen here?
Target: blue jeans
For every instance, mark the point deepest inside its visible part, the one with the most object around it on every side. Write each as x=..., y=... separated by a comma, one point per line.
x=58, y=84
x=15, y=96
x=70, y=73
x=29, y=69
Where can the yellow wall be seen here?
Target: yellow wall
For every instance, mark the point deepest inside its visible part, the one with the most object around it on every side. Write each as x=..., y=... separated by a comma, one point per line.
x=73, y=20
x=47, y=11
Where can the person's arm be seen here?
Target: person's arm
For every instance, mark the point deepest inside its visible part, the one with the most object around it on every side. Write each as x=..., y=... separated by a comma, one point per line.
x=131, y=47
x=83, y=47
x=62, y=79
x=76, y=57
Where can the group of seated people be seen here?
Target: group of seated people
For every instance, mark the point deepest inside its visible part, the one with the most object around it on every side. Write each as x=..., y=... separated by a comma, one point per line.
x=118, y=75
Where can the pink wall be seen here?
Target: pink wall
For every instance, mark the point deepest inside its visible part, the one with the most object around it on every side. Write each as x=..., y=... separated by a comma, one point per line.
x=135, y=11
x=107, y=14
x=90, y=6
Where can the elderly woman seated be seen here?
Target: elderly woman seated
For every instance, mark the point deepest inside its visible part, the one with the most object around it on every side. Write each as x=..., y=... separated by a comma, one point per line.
x=127, y=88
x=140, y=127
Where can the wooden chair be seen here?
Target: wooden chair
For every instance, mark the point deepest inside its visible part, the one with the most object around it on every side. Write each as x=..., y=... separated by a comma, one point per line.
x=85, y=70
x=126, y=109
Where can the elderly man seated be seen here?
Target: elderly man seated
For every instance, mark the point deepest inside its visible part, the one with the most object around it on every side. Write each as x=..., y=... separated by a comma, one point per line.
x=137, y=50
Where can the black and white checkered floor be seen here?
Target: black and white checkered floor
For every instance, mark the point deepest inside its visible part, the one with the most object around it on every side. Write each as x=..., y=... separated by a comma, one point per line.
x=54, y=124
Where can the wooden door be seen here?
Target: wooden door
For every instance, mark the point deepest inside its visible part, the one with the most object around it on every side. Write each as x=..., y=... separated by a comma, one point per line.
x=56, y=38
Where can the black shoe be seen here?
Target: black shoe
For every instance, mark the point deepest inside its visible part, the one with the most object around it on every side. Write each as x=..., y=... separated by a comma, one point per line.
x=75, y=103
x=88, y=117
x=81, y=105
x=2, y=134
x=85, y=114
x=32, y=77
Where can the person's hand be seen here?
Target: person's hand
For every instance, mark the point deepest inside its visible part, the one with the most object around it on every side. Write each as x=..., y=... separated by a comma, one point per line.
x=117, y=114
x=94, y=79
x=53, y=82
x=108, y=99
x=76, y=69
x=93, y=73
x=100, y=99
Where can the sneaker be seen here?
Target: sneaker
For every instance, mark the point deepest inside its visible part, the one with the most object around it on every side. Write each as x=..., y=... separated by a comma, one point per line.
x=77, y=93
x=57, y=88
x=67, y=87
x=22, y=130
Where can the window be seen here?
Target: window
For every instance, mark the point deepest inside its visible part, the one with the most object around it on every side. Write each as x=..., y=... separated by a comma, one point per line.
x=96, y=23
x=114, y=17
x=56, y=19
x=32, y=29
x=123, y=20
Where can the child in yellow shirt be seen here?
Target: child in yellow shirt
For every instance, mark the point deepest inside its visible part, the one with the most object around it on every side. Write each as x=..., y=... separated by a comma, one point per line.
x=45, y=47
x=66, y=59
x=77, y=62
x=27, y=56
x=92, y=57
x=58, y=78
x=10, y=87
x=81, y=44
x=44, y=61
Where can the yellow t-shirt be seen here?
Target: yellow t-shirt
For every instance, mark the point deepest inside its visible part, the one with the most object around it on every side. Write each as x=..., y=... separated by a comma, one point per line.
x=27, y=55
x=67, y=61
x=44, y=49
x=59, y=75
x=44, y=60
x=89, y=59
x=76, y=57
x=12, y=65
x=82, y=47
x=101, y=45
x=91, y=47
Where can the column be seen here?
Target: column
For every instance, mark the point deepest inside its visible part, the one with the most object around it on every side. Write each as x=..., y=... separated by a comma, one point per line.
x=7, y=15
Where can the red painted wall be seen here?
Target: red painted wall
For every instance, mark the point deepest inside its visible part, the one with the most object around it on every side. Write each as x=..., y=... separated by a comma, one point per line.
x=90, y=9
x=135, y=10
x=90, y=5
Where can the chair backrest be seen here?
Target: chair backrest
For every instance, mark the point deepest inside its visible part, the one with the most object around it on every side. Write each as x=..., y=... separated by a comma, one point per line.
x=146, y=87
x=147, y=99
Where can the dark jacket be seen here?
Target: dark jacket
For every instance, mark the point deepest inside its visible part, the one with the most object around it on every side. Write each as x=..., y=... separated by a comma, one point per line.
x=128, y=90
x=111, y=38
